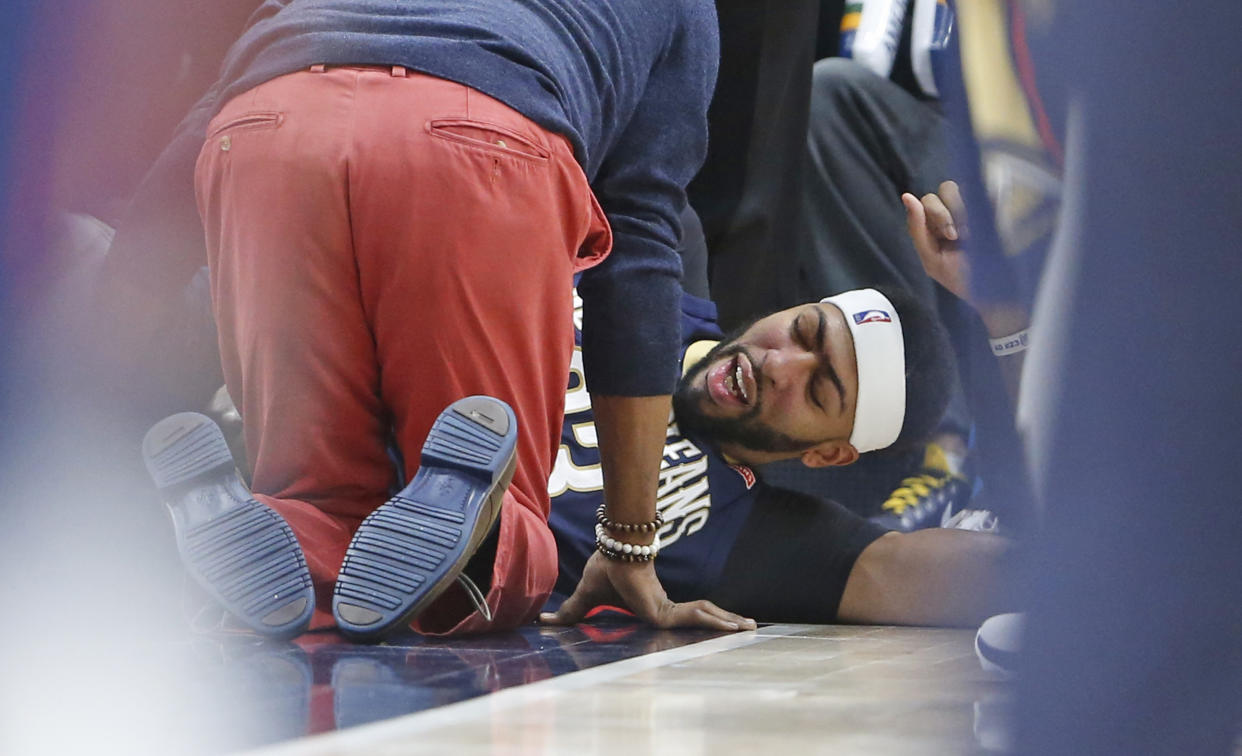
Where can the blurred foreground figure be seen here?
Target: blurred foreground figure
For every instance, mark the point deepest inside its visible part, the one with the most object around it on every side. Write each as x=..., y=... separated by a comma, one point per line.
x=1134, y=640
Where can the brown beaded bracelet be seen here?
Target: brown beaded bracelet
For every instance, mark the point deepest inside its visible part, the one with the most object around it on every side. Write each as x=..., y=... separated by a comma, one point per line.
x=629, y=527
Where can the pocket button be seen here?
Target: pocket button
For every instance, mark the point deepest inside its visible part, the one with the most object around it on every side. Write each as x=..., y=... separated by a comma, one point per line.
x=226, y=143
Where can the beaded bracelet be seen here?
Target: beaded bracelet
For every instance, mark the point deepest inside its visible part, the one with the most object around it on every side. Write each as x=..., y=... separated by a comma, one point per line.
x=628, y=527
x=618, y=556
x=619, y=550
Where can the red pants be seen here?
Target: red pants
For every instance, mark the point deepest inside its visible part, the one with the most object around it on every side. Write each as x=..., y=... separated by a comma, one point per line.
x=382, y=244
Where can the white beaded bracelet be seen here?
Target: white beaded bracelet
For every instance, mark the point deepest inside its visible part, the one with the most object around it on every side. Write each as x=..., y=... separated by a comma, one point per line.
x=607, y=543
x=1011, y=344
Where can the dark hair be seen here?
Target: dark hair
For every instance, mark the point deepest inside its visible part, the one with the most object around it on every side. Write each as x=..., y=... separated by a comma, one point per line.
x=931, y=369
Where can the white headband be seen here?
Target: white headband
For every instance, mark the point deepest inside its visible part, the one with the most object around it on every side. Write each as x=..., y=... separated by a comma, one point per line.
x=881, y=406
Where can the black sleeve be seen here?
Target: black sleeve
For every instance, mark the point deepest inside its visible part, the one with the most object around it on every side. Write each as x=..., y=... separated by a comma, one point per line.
x=793, y=558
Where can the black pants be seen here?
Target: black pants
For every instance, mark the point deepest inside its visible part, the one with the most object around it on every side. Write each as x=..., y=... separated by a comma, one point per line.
x=746, y=193
x=868, y=141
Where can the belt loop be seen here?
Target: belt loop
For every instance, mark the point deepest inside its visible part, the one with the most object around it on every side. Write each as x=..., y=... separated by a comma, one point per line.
x=398, y=71
x=317, y=68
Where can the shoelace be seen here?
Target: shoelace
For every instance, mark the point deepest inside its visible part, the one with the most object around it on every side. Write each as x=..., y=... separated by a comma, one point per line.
x=476, y=596
x=912, y=489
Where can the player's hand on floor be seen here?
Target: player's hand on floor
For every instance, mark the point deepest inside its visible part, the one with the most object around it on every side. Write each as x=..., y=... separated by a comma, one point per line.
x=937, y=226
x=634, y=586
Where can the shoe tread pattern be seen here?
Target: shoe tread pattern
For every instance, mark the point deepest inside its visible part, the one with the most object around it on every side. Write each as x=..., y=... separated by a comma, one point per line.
x=459, y=442
x=189, y=448
x=249, y=555
x=239, y=550
x=406, y=550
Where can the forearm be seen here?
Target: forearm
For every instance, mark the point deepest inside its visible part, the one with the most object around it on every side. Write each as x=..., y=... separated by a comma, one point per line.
x=631, y=433
x=631, y=443
x=1003, y=320
x=930, y=577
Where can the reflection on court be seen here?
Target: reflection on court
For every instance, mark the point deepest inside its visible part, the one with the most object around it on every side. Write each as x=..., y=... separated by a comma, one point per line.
x=620, y=688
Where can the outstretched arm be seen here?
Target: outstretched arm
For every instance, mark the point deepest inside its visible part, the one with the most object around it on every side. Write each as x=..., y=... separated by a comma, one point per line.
x=936, y=577
x=630, y=316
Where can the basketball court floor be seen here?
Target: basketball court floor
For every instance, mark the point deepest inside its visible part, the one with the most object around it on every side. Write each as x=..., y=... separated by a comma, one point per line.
x=101, y=662
x=608, y=687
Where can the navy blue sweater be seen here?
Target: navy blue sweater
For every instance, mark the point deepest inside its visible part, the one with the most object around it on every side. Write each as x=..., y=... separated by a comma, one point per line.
x=628, y=82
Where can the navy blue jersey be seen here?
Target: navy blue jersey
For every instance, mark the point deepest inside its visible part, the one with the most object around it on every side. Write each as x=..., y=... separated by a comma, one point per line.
x=704, y=499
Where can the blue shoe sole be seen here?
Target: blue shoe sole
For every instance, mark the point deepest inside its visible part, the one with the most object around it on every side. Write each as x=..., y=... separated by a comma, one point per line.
x=241, y=552
x=410, y=549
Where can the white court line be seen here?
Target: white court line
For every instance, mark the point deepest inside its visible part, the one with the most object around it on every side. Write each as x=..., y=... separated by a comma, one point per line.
x=355, y=739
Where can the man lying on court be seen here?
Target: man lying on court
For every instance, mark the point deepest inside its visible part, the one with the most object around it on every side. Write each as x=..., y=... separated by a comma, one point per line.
x=861, y=372
x=858, y=373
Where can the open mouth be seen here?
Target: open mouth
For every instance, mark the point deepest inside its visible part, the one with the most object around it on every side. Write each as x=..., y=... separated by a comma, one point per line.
x=732, y=383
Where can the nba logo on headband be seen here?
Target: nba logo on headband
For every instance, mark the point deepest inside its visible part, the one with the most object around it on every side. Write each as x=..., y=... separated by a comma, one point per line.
x=872, y=316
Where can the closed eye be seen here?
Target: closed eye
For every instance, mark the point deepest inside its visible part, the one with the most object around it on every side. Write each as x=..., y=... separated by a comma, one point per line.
x=818, y=345
x=809, y=342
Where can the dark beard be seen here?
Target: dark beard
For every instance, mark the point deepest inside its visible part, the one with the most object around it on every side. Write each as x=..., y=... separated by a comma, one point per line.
x=745, y=430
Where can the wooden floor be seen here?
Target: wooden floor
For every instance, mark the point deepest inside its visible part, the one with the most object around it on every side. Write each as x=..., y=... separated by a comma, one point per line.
x=787, y=689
